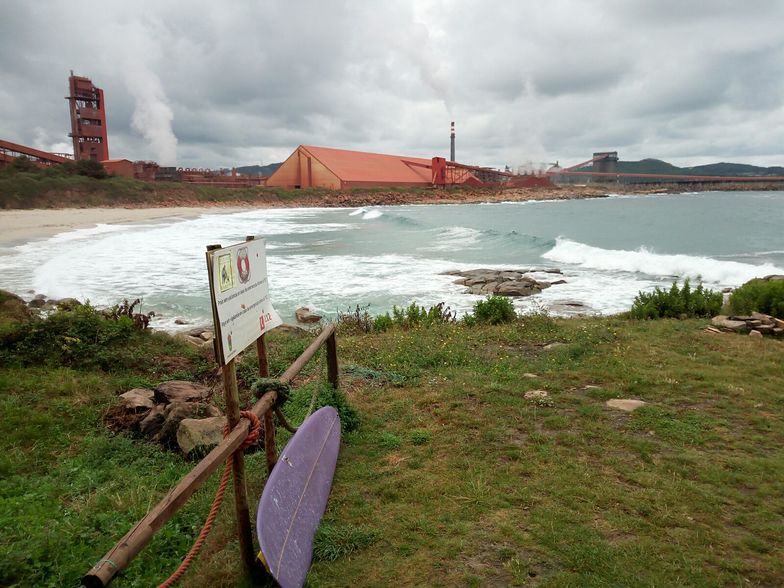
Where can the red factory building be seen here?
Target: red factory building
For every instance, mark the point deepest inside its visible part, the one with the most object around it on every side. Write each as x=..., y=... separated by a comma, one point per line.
x=88, y=119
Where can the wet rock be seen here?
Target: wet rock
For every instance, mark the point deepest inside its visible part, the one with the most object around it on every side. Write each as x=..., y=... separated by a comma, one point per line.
x=305, y=315
x=13, y=307
x=180, y=321
x=138, y=399
x=512, y=283
x=200, y=433
x=180, y=391
x=625, y=404
x=37, y=302
x=66, y=303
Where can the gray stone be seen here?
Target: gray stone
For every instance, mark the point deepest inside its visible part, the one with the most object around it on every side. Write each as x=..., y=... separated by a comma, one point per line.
x=200, y=433
x=138, y=399
x=535, y=394
x=37, y=302
x=625, y=404
x=180, y=321
x=206, y=336
x=152, y=423
x=530, y=375
x=755, y=333
x=290, y=330
x=305, y=315
x=180, y=391
x=67, y=303
x=724, y=322
x=176, y=412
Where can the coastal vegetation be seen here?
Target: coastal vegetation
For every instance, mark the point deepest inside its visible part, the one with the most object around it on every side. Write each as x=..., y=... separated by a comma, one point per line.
x=683, y=302
x=759, y=295
x=479, y=454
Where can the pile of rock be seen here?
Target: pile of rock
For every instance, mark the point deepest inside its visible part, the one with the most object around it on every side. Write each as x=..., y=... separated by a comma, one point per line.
x=177, y=414
x=756, y=324
x=198, y=336
x=504, y=282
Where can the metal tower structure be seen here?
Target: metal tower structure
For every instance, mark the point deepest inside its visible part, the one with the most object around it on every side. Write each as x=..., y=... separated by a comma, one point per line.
x=88, y=119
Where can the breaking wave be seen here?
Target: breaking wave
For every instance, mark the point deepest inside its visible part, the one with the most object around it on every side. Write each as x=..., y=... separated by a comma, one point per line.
x=644, y=261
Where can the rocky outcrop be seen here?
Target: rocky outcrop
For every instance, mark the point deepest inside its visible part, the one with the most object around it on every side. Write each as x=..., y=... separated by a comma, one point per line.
x=511, y=283
x=756, y=324
x=180, y=391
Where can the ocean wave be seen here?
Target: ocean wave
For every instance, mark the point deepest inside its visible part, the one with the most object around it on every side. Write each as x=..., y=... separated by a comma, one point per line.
x=648, y=262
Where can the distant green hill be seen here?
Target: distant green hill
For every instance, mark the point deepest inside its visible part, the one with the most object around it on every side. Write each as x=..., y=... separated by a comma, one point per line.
x=258, y=170
x=657, y=166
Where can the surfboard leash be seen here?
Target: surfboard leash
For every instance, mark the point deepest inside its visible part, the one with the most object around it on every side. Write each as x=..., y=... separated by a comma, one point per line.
x=251, y=439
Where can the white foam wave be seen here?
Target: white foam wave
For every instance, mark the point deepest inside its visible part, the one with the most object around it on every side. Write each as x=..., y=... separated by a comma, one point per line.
x=455, y=238
x=357, y=212
x=648, y=262
x=371, y=214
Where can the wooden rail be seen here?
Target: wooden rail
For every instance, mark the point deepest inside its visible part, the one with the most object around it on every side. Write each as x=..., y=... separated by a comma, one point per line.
x=119, y=556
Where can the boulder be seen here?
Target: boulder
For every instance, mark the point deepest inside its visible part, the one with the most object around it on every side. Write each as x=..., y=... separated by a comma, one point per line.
x=67, y=303
x=37, y=302
x=503, y=282
x=625, y=404
x=305, y=315
x=755, y=334
x=13, y=307
x=724, y=322
x=180, y=391
x=536, y=394
x=152, y=423
x=290, y=330
x=200, y=433
x=180, y=321
x=138, y=399
x=206, y=336
x=176, y=412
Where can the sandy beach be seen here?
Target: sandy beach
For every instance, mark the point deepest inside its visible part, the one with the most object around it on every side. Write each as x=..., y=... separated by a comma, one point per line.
x=21, y=226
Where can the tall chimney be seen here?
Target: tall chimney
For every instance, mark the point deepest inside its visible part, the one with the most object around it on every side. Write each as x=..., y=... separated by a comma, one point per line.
x=452, y=143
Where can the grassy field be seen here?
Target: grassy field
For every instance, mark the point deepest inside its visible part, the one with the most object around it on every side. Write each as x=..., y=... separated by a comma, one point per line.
x=453, y=478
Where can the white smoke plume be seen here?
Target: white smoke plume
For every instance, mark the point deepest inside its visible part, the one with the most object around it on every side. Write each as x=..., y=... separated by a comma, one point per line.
x=152, y=114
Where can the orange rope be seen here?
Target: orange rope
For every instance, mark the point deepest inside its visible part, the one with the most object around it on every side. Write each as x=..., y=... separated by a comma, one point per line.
x=253, y=436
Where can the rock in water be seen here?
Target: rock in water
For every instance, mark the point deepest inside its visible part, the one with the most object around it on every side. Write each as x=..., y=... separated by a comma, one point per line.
x=305, y=315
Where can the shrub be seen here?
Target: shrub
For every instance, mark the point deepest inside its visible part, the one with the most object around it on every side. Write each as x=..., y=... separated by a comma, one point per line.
x=759, y=295
x=677, y=303
x=495, y=310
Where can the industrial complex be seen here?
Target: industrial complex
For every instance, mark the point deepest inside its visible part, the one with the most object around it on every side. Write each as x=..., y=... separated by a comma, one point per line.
x=326, y=167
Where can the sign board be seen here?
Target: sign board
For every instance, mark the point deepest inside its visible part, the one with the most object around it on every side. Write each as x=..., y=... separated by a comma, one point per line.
x=241, y=306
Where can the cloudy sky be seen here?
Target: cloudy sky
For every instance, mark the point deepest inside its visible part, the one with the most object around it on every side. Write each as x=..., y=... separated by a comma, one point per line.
x=208, y=84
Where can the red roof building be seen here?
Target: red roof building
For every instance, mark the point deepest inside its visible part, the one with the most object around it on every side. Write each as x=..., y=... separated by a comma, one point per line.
x=338, y=169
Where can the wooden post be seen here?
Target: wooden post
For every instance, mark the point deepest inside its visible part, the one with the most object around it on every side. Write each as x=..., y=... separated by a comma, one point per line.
x=244, y=532
x=332, y=360
x=269, y=425
x=123, y=552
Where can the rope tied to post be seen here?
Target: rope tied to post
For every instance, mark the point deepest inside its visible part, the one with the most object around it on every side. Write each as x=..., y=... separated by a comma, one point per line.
x=250, y=440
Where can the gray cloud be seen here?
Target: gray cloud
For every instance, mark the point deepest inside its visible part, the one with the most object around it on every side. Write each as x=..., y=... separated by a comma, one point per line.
x=680, y=80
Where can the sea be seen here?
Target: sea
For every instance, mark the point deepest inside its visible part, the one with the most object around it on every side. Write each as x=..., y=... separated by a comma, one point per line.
x=334, y=260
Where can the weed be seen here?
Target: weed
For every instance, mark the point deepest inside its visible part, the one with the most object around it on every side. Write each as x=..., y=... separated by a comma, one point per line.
x=419, y=436
x=495, y=310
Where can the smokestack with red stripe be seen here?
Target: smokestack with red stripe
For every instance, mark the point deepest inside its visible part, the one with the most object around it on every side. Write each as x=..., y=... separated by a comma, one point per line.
x=452, y=143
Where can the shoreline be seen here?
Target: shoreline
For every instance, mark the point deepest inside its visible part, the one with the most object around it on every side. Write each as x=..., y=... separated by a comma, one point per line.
x=19, y=226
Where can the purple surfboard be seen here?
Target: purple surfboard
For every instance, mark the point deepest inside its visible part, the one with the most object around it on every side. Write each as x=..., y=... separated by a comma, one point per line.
x=295, y=497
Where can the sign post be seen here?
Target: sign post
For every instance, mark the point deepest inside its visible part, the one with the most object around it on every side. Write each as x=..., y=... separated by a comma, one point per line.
x=242, y=312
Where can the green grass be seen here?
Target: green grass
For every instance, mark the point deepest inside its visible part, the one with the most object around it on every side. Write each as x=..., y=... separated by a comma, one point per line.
x=449, y=477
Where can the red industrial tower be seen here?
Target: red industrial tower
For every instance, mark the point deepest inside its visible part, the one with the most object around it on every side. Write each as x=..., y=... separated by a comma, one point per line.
x=88, y=119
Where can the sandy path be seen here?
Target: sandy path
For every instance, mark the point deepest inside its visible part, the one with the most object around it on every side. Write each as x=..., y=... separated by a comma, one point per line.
x=21, y=226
